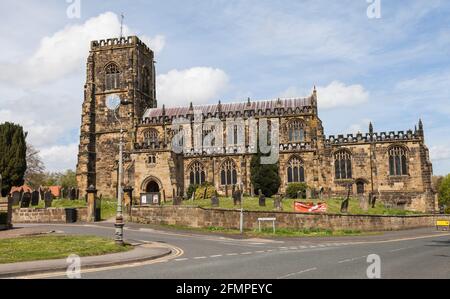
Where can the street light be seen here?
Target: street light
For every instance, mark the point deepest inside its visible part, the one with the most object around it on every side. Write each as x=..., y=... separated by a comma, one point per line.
x=113, y=103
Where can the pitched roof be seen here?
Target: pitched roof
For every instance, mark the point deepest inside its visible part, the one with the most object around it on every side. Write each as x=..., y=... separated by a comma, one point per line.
x=231, y=107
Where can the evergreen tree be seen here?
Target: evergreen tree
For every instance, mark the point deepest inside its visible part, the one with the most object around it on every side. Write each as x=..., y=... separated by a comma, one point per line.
x=265, y=177
x=13, y=150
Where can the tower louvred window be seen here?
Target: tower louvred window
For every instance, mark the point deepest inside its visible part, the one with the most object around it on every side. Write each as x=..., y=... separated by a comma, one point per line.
x=112, y=77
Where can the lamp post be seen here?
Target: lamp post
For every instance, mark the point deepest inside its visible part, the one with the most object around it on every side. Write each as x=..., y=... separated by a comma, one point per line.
x=113, y=103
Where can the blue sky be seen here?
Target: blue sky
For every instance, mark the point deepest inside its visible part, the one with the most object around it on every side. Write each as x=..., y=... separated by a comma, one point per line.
x=391, y=71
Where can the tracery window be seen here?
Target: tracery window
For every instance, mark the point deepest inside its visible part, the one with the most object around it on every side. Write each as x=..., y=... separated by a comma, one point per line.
x=295, y=171
x=112, y=80
x=398, y=163
x=296, y=131
x=343, y=165
x=197, y=174
x=228, y=173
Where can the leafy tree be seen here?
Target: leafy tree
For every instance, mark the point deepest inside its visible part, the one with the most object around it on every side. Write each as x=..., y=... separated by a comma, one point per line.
x=13, y=163
x=444, y=191
x=265, y=177
x=68, y=179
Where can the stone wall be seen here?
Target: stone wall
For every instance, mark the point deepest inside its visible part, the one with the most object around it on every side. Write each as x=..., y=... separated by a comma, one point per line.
x=202, y=218
x=51, y=215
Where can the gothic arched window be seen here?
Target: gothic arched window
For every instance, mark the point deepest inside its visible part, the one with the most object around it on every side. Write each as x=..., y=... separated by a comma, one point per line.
x=343, y=165
x=295, y=171
x=296, y=131
x=146, y=81
x=398, y=163
x=197, y=174
x=151, y=137
x=112, y=80
x=228, y=173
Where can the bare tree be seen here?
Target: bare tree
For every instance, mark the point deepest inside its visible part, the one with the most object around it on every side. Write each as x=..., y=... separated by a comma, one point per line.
x=34, y=176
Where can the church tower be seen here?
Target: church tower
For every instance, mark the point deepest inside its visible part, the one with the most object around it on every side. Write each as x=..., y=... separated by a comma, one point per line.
x=122, y=69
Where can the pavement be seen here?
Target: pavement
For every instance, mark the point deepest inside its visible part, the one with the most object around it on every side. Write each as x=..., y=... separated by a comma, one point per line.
x=419, y=253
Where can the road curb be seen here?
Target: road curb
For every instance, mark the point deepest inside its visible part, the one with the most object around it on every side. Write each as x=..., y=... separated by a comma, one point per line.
x=19, y=273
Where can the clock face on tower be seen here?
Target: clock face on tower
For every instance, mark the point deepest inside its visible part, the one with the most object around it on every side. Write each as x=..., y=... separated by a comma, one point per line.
x=112, y=102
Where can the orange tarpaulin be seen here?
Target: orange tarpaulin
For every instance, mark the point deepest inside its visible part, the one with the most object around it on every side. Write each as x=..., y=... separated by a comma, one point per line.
x=310, y=207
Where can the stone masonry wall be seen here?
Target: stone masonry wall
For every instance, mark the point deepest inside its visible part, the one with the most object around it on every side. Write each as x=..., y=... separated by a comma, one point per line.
x=52, y=215
x=229, y=219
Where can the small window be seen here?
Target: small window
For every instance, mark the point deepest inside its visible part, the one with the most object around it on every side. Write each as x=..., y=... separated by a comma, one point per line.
x=151, y=159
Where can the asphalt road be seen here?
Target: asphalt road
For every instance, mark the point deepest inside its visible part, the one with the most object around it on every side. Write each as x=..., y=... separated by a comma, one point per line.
x=422, y=253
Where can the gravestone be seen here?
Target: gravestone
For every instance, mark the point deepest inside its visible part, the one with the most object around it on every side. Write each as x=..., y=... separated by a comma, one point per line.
x=73, y=194
x=278, y=203
x=48, y=199
x=42, y=194
x=215, y=202
x=77, y=194
x=308, y=193
x=16, y=197
x=363, y=203
x=374, y=201
x=35, y=198
x=262, y=199
x=346, y=202
x=177, y=201
x=321, y=193
x=63, y=193
x=26, y=200
x=237, y=197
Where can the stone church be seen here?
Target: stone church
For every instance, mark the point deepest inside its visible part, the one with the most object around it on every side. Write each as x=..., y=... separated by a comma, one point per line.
x=394, y=166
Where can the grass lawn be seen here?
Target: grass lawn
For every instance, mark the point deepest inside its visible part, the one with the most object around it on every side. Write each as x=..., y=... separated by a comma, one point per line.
x=55, y=247
x=280, y=232
x=334, y=206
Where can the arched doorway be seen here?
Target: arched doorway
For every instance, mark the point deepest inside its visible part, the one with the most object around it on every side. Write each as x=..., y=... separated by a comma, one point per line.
x=152, y=187
x=151, y=191
x=360, y=187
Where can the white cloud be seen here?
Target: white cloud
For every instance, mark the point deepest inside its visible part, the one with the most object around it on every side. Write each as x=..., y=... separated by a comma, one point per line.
x=361, y=127
x=337, y=94
x=65, y=51
x=60, y=157
x=440, y=153
x=198, y=84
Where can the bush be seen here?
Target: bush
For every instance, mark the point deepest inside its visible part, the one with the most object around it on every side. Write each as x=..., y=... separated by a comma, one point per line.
x=294, y=189
x=3, y=218
x=200, y=191
x=444, y=191
x=191, y=190
x=205, y=191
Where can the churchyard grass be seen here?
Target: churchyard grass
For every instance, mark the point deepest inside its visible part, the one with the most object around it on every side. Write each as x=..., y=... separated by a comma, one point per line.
x=334, y=206
x=55, y=247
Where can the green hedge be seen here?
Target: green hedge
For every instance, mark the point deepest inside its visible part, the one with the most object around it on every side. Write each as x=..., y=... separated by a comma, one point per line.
x=3, y=218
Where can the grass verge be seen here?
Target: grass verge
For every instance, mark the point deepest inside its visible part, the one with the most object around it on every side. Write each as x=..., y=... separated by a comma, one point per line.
x=55, y=247
x=281, y=232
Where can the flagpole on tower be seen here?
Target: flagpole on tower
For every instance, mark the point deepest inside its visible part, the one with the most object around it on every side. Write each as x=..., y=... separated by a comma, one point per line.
x=122, y=17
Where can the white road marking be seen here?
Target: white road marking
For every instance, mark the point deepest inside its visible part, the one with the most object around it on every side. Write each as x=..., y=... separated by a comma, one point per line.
x=217, y=255
x=181, y=260
x=261, y=251
x=232, y=254
x=246, y=253
x=297, y=273
x=352, y=260
x=200, y=258
x=400, y=249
